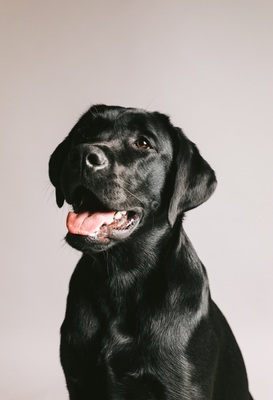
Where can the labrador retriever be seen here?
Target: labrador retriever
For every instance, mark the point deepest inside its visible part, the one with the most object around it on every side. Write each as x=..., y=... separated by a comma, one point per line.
x=140, y=323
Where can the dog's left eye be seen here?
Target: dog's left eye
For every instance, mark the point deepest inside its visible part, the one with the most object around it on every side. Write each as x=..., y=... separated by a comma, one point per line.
x=143, y=143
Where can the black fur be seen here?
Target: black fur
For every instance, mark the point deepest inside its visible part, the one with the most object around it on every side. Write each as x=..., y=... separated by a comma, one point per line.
x=140, y=323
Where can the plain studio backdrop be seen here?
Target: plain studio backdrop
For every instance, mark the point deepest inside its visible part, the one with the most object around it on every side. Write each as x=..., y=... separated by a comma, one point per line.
x=209, y=65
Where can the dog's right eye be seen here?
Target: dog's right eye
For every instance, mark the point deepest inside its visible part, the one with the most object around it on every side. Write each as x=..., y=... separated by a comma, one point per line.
x=143, y=143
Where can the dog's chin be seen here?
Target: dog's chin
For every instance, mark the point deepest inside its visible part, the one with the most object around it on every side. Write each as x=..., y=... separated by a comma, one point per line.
x=105, y=239
x=87, y=245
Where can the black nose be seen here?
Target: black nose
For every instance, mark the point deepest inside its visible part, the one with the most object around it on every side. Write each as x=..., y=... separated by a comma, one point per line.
x=87, y=156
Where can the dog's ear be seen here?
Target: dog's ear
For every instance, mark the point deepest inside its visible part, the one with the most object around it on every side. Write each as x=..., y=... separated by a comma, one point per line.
x=195, y=180
x=55, y=168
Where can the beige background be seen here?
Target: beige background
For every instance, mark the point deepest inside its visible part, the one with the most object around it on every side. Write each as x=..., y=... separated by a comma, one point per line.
x=209, y=65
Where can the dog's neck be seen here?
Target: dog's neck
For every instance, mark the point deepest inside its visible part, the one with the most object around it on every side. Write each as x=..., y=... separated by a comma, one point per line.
x=167, y=259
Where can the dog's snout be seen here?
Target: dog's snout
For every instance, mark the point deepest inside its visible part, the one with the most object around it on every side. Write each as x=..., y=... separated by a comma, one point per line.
x=89, y=156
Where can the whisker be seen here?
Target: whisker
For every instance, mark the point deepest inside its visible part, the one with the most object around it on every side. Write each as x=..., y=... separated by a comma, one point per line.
x=153, y=99
x=130, y=184
x=133, y=195
x=48, y=191
x=127, y=190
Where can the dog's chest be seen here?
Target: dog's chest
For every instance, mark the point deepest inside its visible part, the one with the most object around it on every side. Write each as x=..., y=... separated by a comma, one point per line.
x=153, y=364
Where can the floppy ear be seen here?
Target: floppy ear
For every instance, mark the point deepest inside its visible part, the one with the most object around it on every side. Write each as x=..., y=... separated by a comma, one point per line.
x=195, y=180
x=55, y=168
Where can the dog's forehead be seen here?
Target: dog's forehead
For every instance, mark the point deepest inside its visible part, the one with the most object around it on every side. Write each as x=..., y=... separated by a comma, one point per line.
x=120, y=123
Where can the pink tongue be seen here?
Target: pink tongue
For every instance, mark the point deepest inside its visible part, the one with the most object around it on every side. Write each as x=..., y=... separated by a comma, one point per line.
x=86, y=224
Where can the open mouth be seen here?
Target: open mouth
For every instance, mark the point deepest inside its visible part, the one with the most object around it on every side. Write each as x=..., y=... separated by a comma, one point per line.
x=90, y=218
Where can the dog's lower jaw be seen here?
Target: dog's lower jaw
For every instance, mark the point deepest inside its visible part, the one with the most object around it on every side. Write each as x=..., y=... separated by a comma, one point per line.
x=136, y=231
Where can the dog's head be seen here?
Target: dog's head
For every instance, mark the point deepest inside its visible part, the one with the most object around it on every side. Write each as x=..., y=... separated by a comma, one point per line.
x=121, y=169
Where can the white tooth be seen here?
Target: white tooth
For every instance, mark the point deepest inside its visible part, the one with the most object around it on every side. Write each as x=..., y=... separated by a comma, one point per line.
x=118, y=215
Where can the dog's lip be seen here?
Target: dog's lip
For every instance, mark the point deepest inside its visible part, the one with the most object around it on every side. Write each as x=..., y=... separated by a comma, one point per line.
x=100, y=220
x=103, y=226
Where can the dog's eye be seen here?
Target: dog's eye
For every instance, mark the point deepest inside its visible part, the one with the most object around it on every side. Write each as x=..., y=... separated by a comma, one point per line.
x=143, y=143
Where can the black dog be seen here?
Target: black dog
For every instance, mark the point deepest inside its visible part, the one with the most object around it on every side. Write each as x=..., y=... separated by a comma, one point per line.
x=140, y=323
